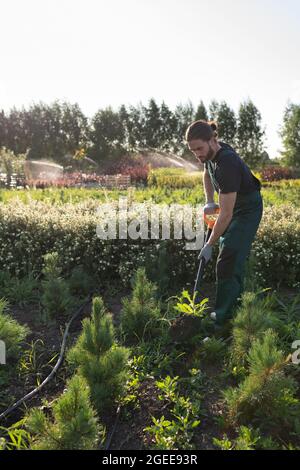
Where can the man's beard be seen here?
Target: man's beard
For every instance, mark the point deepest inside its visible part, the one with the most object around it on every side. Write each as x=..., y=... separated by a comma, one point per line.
x=210, y=154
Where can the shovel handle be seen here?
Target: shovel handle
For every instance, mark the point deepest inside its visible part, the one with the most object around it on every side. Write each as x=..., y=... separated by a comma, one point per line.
x=201, y=264
x=210, y=220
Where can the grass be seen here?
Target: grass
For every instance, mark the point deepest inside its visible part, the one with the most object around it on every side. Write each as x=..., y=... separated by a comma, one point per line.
x=276, y=193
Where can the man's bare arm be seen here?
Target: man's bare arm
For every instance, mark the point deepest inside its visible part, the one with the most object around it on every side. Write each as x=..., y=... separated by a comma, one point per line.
x=208, y=187
x=226, y=203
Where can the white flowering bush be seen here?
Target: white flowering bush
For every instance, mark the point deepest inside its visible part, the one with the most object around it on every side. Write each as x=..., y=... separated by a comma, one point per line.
x=29, y=231
x=276, y=249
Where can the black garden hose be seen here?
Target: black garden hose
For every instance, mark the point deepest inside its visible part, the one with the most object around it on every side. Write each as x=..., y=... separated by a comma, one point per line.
x=55, y=368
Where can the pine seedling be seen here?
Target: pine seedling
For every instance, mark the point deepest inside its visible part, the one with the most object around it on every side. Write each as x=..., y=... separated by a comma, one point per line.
x=140, y=315
x=74, y=424
x=81, y=282
x=267, y=395
x=253, y=318
x=56, y=298
x=12, y=334
x=99, y=359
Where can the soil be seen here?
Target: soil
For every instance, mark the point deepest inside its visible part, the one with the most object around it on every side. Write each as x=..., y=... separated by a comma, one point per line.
x=49, y=337
x=129, y=430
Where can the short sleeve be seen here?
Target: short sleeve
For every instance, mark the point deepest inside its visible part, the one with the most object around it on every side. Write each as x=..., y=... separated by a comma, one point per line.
x=228, y=174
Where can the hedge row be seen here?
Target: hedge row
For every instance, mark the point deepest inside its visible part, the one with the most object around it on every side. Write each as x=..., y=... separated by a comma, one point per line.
x=28, y=231
x=174, y=178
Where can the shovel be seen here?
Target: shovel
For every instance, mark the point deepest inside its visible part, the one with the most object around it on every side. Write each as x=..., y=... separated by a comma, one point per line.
x=209, y=220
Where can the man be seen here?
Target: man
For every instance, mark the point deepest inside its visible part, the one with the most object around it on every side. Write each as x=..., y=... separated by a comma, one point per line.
x=241, y=208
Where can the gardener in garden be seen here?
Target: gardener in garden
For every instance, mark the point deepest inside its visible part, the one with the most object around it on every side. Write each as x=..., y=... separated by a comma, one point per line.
x=241, y=208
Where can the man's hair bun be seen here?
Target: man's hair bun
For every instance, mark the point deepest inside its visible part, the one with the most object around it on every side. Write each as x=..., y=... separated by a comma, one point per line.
x=213, y=125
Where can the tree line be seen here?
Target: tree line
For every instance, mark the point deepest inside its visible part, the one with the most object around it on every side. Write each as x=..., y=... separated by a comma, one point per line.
x=55, y=131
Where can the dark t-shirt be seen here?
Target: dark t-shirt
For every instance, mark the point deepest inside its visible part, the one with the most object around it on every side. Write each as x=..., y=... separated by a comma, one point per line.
x=230, y=174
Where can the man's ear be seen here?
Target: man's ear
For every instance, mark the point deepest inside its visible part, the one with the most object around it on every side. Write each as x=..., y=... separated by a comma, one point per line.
x=214, y=140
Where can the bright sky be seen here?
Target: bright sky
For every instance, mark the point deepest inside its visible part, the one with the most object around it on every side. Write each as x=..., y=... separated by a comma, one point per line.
x=100, y=52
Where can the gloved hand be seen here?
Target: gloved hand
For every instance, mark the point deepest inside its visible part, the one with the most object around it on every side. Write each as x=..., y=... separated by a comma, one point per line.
x=206, y=252
x=210, y=208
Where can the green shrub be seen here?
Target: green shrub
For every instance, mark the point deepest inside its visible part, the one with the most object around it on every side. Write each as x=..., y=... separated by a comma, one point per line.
x=158, y=268
x=267, y=395
x=278, y=193
x=189, y=305
x=81, y=282
x=213, y=350
x=18, y=291
x=247, y=439
x=99, y=359
x=29, y=231
x=276, y=247
x=74, y=424
x=174, y=178
x=176, y=432
x=56, y=299
x=11, y=332
x=140, y=315
x=252, y=319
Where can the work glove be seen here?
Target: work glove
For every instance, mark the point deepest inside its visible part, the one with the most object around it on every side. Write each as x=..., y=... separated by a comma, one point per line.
x=206, y=253
x=210, y=208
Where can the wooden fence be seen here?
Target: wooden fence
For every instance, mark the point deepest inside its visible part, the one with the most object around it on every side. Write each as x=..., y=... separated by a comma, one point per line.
x=116, y=181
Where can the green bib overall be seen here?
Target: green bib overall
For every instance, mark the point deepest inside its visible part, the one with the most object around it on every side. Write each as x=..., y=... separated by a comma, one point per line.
x=234, y=248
